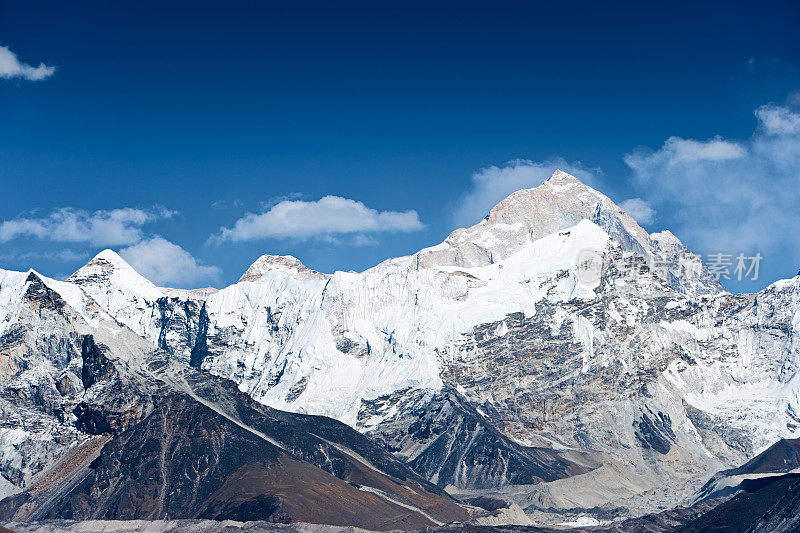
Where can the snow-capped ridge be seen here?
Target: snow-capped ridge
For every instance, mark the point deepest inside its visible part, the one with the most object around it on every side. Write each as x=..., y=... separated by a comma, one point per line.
x=523, y=217
x=15, y=287
x=197, y=294
x=283, y=263
x=553, y=207
x=290, y=335
x=12, y=285
x=108, y=269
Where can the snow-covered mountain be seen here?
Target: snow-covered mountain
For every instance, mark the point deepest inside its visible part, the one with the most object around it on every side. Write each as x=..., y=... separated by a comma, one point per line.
x=555, y=345
x=98, y=423
x=298, y=339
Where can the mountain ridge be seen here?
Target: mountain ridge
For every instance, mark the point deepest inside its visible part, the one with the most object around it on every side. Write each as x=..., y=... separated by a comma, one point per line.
x=519, y=206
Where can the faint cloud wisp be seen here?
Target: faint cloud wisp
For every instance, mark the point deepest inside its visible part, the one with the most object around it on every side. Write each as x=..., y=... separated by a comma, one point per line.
x=11, y=67
x=639, y=209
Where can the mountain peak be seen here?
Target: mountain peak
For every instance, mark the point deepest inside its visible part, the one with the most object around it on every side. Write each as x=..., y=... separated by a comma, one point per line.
x=561, y=201
x=282, y=263
x=561, y=194
x=106, y=260
x=108, y=268
x=525, y=216
x=110, y=256
x=32, y=276
x=557, y=205
x=563, y=177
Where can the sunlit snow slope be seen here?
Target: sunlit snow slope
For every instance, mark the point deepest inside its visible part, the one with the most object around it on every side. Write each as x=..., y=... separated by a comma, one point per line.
x=300, y=340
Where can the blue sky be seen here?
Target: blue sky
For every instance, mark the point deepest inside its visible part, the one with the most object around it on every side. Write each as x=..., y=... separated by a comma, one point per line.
x=148, y=127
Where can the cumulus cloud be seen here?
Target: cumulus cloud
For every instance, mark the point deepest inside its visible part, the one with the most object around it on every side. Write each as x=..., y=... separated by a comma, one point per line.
x=11, y=67
x=492, y=184
x=639, y=210
x=778, y=120
x=166, y=263
x=727, y=195
x=325, y=218
x=99, y=228
x=677, y=151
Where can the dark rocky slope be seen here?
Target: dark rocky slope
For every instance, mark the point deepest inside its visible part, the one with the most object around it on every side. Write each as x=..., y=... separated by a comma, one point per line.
x=446, y=439
x=781, y=458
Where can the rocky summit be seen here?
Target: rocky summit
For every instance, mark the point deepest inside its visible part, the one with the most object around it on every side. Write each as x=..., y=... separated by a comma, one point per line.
x=554, y=365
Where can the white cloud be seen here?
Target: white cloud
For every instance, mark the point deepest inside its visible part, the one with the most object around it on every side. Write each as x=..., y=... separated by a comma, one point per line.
x=492, y=184
x=778, y=120
x=226, y=204
x=639, y=209
x=10, y=67
x=676, y=150
x=364, y=240
x=165, y=263
x=99, y=228
x=324, y=218
x=730, y=196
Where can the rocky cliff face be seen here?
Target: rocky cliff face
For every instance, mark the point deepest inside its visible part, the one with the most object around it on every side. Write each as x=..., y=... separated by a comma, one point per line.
x=448, y=440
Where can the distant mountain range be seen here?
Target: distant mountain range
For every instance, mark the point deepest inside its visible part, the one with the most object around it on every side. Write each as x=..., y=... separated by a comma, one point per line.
x=555, y=359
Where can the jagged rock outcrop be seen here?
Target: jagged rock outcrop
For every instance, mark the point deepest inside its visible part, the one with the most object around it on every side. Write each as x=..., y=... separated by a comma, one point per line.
x=447, y=440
